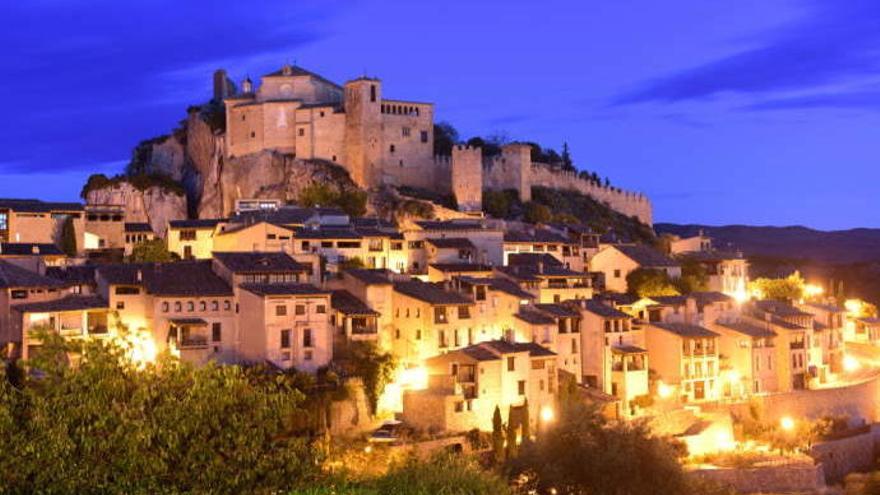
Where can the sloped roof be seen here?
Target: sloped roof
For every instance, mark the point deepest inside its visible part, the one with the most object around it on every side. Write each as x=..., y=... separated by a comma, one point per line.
x=747, y=328
x=138, y=227
x=297, y=71
x=627, y=349
x=533, y=317
x=259, y=262
x=461, y=267
x=532, y=259
x=646, y=256
x=283, y=289
x=557, y=310
x=451, y=243
x=37, y=206
x=539, y=236
x=29, y=249
x=14, y=276
x=686, y=329
x=451, y=225
x=67, y=303
x=601, y=309
x=430, y=293
x=328, y=233
x=510, y=287
x=181, y=278
x=202, y=223
x=347, y=303
x=83, y=274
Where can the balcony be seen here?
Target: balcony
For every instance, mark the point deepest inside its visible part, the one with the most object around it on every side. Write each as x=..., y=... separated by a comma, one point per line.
x=193, y=342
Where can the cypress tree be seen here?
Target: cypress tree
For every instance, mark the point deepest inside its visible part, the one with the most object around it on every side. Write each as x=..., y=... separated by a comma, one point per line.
x=497, y=435
x=68, y=237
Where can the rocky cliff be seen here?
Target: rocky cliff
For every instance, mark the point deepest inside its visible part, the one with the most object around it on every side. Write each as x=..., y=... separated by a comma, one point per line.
x=193, y=158
x=155, y=205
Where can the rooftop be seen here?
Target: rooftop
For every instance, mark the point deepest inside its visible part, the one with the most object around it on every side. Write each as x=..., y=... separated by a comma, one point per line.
x=29, y=249
x=203, y=223
x=752, y=329
x=138, y=227
x=461, y=267
x=259, y=262
x=182, y=278
x=430, y=293
x=646, y=256
x=283, y=289
x=37, y=206
x=451, y=243
x=347, y=303
x=14, y=276
x=533, y=317
x=67, y=303
x=601, y=309
x=686, y=329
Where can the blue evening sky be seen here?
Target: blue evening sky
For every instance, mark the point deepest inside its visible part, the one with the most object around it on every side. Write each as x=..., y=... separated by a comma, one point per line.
x=747, y=111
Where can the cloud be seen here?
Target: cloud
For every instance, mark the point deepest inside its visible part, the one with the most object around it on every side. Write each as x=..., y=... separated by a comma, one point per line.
x=835, y=41
x=88, y=80
x=867, y=99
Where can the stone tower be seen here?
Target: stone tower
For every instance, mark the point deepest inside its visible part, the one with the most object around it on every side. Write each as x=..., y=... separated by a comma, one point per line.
x=518, y=158
x=467, y=177
x=223, y=86
x=363, y=130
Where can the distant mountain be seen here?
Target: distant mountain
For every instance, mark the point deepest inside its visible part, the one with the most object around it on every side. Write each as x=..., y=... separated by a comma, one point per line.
x=796, y=242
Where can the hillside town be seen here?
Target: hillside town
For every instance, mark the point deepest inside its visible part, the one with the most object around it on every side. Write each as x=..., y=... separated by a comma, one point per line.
x=482, y=316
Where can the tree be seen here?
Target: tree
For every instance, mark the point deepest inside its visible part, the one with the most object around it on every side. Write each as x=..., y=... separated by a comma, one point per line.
x=497, y=435
x=445, y=137
x=790, y=288
x=151, y=251
x=106, y=425
x=566, y=158
x=374, y=367
x=496, y=203
x=352, y=263
x=537, y=213
x=647, y=282
x=524, y=420
x=693, y=277
x=582, y=453
x=68, y=237
x=352, y=202
x=511, y=434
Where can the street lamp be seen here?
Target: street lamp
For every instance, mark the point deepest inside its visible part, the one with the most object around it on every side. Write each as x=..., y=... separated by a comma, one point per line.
x=787, y=423
x=547, y=414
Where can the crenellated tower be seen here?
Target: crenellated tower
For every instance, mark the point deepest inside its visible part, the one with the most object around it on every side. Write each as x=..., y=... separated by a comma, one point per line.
x=363, y=130
x=467, y=177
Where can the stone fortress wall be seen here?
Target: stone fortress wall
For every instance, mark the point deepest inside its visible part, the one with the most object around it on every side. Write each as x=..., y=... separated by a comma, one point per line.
x=382, y=141
x=514, y=169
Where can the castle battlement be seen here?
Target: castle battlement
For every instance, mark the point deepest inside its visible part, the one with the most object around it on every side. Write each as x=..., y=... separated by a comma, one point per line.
x=385, y=141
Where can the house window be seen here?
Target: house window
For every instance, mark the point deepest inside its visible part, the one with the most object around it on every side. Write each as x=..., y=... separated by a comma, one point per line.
x=464, y=312
x=216, y=332
x=521, y=385
x=440, y=314
x=190, y=306
x=215, y=306
x=164, y=307
x=253, y=134
x=187, y=235
x=285, y=339
x=178, y=307
x=19, y=294
x=511, y=364
x=281, y=310
x=320, y=309
x=301, y=131
x=405, y=132
x=203, y=306
x=418, y=335
x=424, y=136
x=307, y=355
x=616, y=273
x=227, y=305
x=300, y=309
x=307, y=337
x=372, y=92
x=391, y=148
x=120, y=305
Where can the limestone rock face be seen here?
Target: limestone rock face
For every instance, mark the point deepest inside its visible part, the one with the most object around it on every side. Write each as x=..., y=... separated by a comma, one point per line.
x=194, y=157
x=154, y=205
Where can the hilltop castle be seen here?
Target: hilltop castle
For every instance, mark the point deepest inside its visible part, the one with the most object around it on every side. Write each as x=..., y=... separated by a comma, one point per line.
x=383, y=141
